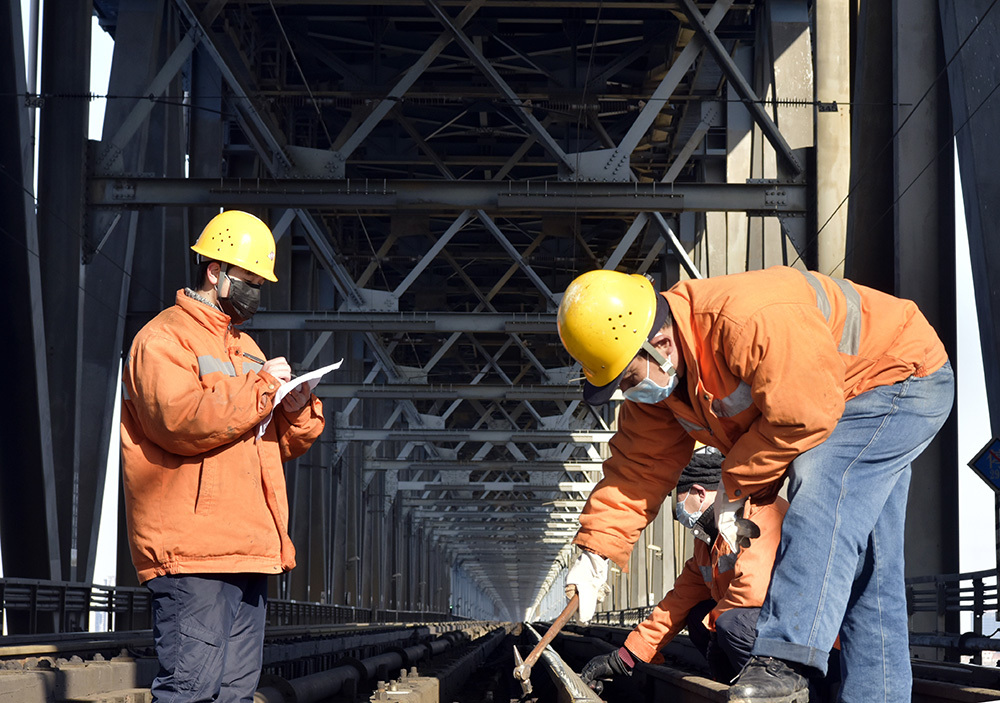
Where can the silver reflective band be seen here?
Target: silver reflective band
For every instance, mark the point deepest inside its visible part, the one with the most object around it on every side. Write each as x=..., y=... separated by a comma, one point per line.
x=209, y=364
x=850, y=336
x=822, y=302
x=734, y=403
x=689, y=427
x=727, y=562
x=706, y=574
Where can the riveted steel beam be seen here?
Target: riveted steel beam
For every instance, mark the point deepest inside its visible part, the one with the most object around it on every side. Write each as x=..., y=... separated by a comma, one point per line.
x=347, y=434
x=761, y=198
x=458, y=465
x=437, y=322
x=417, y=391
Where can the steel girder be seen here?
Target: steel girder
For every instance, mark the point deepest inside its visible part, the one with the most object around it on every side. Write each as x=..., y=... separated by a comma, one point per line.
x=28, y=504
x=62, y=242
x=514, y=144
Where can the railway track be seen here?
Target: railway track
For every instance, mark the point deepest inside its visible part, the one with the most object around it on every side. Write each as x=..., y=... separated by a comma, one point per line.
x=470, y=662
x=301, y=663
x=684, y=678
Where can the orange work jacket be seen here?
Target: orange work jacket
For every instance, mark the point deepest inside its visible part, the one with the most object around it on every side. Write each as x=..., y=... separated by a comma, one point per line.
x=732, y=580
x=770, y=358
x=202, y=494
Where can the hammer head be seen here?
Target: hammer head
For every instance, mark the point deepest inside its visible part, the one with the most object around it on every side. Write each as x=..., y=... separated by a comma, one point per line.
x=522, y=673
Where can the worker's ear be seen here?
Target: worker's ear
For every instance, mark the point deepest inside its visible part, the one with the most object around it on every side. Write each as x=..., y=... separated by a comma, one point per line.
x=663, y=340
x=213, y=273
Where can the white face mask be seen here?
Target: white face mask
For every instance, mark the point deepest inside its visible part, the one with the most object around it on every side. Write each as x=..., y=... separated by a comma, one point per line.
x=648, y=391
x=685, y=518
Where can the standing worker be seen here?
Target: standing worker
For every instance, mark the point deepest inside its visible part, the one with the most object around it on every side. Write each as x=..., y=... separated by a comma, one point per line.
x=720, y=590
x=841, y=384
x=205, y=498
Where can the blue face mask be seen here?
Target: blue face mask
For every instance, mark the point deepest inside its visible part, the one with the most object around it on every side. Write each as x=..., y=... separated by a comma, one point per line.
x=648, y=391
x=685, y=518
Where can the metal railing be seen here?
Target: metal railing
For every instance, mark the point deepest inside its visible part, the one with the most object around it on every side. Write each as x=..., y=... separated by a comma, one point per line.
x=974, y=592
x=33, y=606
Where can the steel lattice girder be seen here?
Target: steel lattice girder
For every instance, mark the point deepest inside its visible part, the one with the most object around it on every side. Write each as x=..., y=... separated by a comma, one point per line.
x=349, y=115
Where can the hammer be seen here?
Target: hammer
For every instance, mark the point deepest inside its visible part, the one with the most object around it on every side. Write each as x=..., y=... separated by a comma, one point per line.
x=522, y=672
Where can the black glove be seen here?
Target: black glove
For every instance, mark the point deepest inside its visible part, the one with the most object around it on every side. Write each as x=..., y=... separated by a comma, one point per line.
x=603, y=668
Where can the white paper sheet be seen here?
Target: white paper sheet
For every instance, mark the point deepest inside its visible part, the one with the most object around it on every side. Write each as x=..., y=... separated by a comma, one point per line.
x=312, y=378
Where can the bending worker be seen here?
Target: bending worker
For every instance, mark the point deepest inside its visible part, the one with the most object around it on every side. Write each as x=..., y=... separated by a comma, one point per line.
x=205, y=496
x=720, y=590
x=842, y=385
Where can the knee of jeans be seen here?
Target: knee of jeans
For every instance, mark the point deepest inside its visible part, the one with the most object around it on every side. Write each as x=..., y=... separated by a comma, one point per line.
x=736, y=624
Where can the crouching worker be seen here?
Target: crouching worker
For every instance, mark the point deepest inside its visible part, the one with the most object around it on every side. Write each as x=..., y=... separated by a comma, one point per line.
x=721, y=588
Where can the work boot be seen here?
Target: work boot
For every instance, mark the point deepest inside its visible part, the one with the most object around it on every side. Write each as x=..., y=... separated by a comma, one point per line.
x=769, y=680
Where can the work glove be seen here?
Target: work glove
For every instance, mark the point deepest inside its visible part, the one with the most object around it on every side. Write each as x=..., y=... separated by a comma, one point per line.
x=588, y=576
x=605, y=667
x=725, y=518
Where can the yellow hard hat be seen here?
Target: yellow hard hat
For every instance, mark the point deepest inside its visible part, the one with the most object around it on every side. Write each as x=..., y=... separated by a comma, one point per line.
x=603, y=320
x=238, y=238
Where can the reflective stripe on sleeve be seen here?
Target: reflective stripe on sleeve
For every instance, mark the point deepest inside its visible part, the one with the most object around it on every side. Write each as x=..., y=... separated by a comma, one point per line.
x=209, y=364
x=727, y=562
x=689, y=427
x=734, y=403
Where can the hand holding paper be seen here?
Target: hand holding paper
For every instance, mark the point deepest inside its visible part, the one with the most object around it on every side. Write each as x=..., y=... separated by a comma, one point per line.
x=309, y=380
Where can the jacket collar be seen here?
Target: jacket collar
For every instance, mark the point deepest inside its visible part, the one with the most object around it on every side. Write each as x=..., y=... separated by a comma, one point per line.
x=209, y=317
x=680, y=309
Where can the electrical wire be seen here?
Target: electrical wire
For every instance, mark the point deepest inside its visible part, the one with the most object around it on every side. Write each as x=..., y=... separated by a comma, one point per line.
x=948, y=143
x=69, y=228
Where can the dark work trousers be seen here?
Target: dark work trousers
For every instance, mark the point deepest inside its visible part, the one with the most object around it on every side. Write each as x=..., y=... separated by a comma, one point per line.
x=209, y=636
x=728, y=648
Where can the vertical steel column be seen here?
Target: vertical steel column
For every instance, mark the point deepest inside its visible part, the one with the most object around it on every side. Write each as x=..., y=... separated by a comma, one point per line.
x=974, y=115
x=870, y=257
x=833, y=131
x=27, y=504
x=125, y=271
x=923, y=226
x=62, y=152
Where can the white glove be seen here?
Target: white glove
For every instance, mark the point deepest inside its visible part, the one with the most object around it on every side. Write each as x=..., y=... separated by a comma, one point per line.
x=588, y=576
x=725, y=517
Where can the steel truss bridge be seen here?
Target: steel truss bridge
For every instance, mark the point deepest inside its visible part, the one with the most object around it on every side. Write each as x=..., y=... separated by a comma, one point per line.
x=435, y=173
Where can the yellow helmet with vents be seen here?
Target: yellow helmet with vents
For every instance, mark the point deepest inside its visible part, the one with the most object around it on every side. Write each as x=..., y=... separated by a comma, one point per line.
x=238, y=238
x=603, y=320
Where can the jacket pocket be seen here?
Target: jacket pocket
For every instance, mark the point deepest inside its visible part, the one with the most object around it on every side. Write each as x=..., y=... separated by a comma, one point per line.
x=207, y=486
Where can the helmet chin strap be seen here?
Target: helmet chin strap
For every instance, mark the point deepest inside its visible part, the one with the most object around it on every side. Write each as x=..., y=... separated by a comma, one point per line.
x=663, y=362
x=223, y=268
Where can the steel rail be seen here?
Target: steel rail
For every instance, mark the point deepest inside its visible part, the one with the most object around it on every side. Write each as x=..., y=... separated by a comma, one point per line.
x=571, y=688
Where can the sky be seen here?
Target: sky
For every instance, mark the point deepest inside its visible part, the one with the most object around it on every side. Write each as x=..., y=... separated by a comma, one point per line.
x=977, y=513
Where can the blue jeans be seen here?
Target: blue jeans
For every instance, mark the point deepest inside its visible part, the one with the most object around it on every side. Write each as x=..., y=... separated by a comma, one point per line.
x=839, y=568
x=209, y=636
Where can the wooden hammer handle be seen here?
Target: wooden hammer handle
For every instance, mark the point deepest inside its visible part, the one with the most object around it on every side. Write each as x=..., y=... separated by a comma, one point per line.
x=551, y=633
